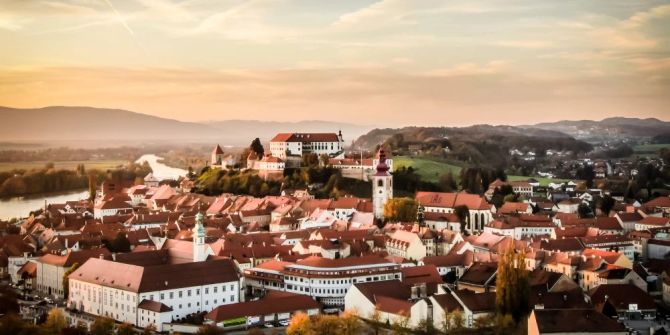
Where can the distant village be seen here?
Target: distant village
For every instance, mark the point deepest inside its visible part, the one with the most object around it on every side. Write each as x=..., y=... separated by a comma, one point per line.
x=157, y=256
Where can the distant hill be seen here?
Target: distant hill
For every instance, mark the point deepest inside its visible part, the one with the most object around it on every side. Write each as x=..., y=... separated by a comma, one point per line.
x=87, y=123
x=480, y=144
x=615, y=126
x=114, y=126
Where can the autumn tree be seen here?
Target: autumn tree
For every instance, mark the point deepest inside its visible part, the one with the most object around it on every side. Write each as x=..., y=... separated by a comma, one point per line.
x=300, y=324
x=125, y=329
x=327, y=325
x=351, y=324
x=401, y=209
x=56, y=322
x=512, y=287
x=210, y=330
x=102, y=326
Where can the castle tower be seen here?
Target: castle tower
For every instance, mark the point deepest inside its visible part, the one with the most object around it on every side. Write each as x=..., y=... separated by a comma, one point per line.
x=217, y=156
x=199, y=246
x=382, y=186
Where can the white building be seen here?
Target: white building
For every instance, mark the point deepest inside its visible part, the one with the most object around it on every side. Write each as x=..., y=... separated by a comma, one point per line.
x=325, y=280
x=133, y=293
x=284, y=145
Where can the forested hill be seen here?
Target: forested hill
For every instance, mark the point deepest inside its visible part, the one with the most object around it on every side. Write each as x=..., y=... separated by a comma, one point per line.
x=609, y=127
x=481, y=144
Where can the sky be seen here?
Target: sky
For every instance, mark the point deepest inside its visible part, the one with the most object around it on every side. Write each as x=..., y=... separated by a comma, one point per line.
x=381, y=63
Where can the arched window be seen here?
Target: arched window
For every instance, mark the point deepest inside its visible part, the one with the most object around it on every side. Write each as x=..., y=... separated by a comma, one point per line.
x=482, y=220
x=380, y=183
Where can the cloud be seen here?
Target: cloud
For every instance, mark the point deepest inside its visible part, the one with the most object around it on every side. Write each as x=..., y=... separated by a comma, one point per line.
x=472, y=69
x=525, y=44
x=642, y=18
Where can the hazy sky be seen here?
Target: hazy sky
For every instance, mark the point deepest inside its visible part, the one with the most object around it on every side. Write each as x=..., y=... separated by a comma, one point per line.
x=388, y=62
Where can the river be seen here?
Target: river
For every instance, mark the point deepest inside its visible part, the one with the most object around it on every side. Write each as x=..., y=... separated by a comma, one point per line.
x=17, y=207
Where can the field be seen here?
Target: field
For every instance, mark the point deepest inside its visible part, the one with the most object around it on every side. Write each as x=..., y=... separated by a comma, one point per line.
x=650, y=148
x=429, y=170
x=69, y=165
x=543, y=181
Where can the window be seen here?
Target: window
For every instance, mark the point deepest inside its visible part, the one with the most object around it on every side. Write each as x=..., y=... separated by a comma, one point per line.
x=171, y=295
x=189, y=293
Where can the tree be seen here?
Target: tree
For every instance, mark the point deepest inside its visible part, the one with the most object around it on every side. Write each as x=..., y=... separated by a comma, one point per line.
x=463, y=213
x=400, y=326
x=66, y=279
x=375, y=320
x=92, y=185
x=120, y=243
x=13, y=324
x=351, y=324
x=447, y=182
x=148, y=330
x=125, y=329
x=257, y=147
x=606, y=204
x=327, y=325
x=512, y=286
x=56, y=322
x=584, y=211
x=300, y=324
x=102, y=326
x=401, y=209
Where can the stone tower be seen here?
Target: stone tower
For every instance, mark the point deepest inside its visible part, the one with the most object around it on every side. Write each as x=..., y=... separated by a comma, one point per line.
x=382, y=186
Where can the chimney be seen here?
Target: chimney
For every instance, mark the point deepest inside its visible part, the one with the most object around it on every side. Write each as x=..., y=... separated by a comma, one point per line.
x=101, y=256
x=114, y=256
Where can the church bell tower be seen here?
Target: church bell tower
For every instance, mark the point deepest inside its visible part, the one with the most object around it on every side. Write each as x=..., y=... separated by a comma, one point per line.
x=382, y=185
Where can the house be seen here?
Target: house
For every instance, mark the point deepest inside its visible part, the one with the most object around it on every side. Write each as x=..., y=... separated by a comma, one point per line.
x=623, y=300
x=650, y=222
x=572, y=321
x=628, y=220
x=151, y=181
x=406, y=245
x=274, y=307
x=475, y=305
x=479, y=210
x=480, y=277
x=388, y=302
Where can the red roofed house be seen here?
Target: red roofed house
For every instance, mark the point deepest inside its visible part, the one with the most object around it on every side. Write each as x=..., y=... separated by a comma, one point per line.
x=284, y=145
x=479, y=208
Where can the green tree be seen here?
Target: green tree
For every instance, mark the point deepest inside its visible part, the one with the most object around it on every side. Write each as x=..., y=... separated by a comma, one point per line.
x=56, y=322
x=257, y=147
x=401, y=209
x=606, y=204
x=512, y=286
x=66, y=279
x=102, y=326
x=463, y=213
x=120, y=243
x=447, y=182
